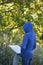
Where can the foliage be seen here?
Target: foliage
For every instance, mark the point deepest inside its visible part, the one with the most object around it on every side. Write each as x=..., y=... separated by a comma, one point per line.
x=38, y=56
x=13, y=14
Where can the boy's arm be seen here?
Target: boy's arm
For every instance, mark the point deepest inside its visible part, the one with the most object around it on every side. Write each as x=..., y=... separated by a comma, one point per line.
x=34, y=46
x=24, y=42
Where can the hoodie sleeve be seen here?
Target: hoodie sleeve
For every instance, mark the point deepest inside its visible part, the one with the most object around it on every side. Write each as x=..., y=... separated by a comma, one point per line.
x=34, y=45
x=24, y=42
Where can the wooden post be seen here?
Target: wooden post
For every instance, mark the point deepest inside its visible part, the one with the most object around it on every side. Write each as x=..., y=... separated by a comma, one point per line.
x=15, y=59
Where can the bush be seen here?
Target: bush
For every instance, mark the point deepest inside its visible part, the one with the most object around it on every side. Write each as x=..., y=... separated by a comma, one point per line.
x=38, y=56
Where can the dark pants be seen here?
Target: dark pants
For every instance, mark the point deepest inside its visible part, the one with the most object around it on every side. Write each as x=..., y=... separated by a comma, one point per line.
x=27, y=62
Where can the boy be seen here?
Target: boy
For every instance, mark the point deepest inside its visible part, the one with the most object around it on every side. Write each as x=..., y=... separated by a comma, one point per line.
x=28, y=44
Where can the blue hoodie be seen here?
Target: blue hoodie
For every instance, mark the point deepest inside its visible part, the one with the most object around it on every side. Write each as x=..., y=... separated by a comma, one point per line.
x=29, y=41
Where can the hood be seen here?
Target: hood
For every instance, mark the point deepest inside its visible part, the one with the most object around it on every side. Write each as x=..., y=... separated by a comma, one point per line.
x=27, y=27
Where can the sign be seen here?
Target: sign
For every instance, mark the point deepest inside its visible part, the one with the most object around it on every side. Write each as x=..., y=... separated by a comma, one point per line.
x=15, y=48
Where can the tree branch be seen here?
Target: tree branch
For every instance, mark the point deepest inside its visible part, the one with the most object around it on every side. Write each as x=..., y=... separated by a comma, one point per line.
x=8, y=1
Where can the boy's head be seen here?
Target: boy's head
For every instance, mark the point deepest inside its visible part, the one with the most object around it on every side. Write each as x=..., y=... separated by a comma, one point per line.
x=27, y=27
